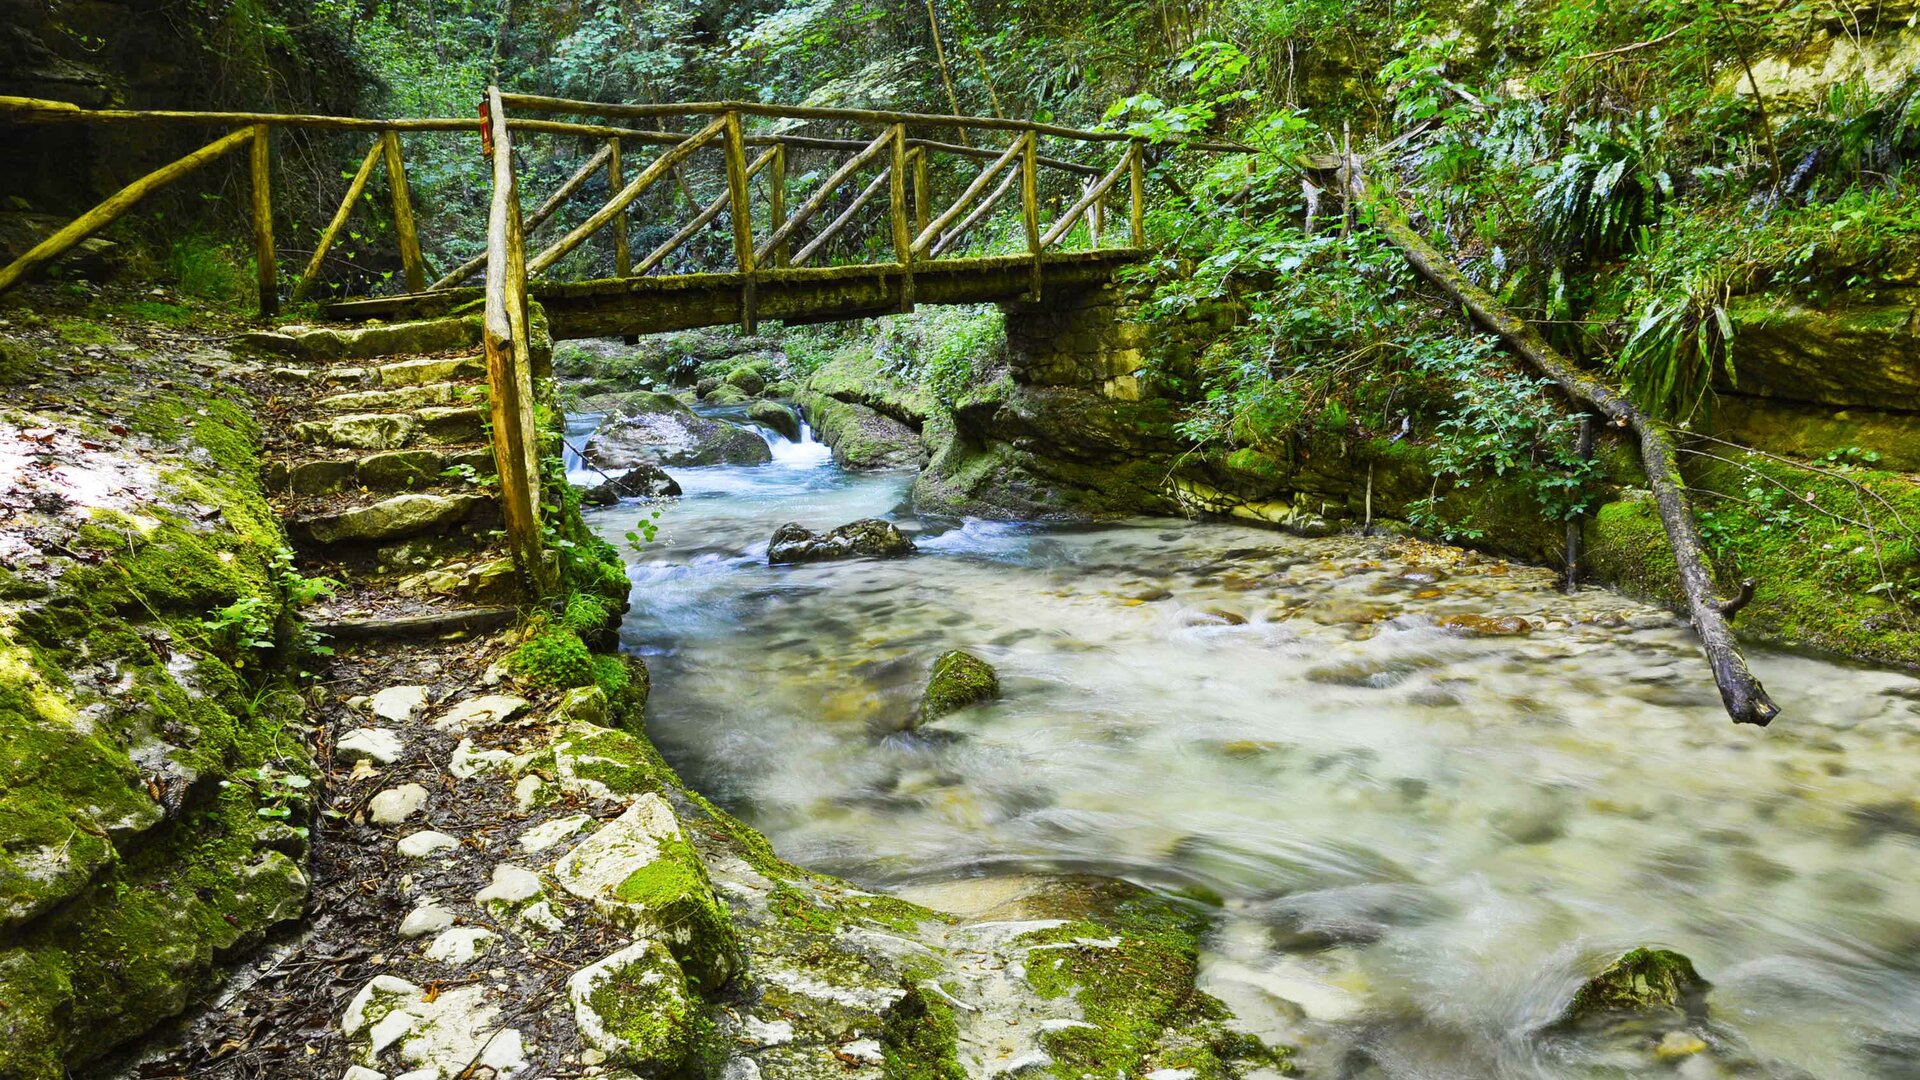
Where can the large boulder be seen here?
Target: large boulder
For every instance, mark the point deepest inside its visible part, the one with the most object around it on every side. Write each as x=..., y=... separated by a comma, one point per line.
x=776, y=417
x=862, y=437
x=868, y=537
x=643, y=481
x=660, y=430
x=960, y=679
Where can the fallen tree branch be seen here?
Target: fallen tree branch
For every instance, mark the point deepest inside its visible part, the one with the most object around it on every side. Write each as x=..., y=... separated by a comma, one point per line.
x=1745, y=699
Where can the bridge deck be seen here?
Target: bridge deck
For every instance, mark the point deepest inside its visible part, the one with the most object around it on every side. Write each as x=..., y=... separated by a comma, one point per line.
x=648, y=305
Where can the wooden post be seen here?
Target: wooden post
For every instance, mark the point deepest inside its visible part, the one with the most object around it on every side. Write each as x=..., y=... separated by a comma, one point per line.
x=1137, y=182
x=777, y=201
x=403, y=226
x=897, y=216
x=267, y=271
x=622, y=254
x=332, y=232
x=739, y=195
x=1030, y=208
x=921, y=192
x=509, y=375
x=1097, y=220
x=115, y=205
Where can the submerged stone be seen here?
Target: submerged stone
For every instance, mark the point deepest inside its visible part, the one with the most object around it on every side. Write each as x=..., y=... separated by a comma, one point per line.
x=869, y=537
x=959, y=679
x=1468, y=625
x=1639, y=981
x=643, y=481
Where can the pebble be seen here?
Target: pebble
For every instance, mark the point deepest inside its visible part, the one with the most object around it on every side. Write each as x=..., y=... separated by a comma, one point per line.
x=511, y=885
x=468, y=763
x=379, y=745
x=547, y=834
x=484, y=710
x=398, y=703
x=395, y=805
x=461, y=945
x=361, y=1072
x=426, y=842
x=426, y=919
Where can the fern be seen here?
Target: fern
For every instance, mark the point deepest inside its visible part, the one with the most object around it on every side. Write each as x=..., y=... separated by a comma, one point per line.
x=1612, y=183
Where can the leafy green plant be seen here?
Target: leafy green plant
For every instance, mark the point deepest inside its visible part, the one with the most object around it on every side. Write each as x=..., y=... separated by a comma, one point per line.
x=1592, y=202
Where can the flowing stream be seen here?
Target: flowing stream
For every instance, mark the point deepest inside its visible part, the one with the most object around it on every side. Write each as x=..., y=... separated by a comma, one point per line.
x=1417, y=843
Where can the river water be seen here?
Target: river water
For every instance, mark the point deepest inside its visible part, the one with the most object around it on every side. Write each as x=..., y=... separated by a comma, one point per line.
x=1415, y=843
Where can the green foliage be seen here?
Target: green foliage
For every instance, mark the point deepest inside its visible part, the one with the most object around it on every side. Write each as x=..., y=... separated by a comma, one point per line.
x=1612, y=183
x=553, y=658
x=206, y=270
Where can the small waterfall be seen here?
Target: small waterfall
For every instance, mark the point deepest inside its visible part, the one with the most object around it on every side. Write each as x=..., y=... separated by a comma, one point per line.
x=807, y=453
x=580, y=428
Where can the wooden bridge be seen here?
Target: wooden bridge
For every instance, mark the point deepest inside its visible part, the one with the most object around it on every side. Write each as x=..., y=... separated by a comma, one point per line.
x=803, y=246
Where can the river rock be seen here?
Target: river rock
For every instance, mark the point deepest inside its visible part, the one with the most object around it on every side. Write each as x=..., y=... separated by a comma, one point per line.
x=643, y=481
x=959, y=679
x=381, y=746
x=870, y=537
x=669, y=433
x=395, y=805
x=641, y=874
x=1642, y=980
x=726, y=394
x=635, y=1006
x=1467, y=625
x=776, y=417
x=426, y=842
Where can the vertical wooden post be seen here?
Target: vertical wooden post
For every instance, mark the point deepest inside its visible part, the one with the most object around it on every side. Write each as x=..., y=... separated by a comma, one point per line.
x=263, y=223
x=777, y=202
x=739, y=195
x=1030, y=206
x=897, y=215
x=1137, y=182
x=1097, y=220
x=921, y=192
x=516, y=446
x=410, y=261
x=622, y=254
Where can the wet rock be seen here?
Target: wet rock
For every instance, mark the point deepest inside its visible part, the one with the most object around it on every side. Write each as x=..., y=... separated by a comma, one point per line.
x=960, y=679
x=378, y=745
x=395, y=805
x=636, y=1007
x=428, y=918
x=669, y=433
x=726, y=394
x=776, y=417
x=643, y=481
x=864, y=438
x=1468, y=625
x=748, y=381
x=641, y=874
x=1642, y=980
x=868, y=537
x=1675, y=1045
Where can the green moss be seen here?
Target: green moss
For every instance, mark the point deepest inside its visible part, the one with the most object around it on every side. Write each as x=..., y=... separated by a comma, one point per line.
x=553, y=659
x=19, y=363
x=82, y=332
x=660, y=1026
x=921, y=1040
x=1136, y=987
x=959, y=679
x=679, y=899
x=1640, y=980
x=156, y=311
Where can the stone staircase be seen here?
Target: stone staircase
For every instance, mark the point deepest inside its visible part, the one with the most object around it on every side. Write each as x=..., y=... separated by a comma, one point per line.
x=379, y=465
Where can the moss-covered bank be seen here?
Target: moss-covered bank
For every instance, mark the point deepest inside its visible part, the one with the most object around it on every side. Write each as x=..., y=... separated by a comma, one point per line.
x=153, y=773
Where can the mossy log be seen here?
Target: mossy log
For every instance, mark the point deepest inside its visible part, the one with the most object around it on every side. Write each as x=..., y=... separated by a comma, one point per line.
x=1745, y=699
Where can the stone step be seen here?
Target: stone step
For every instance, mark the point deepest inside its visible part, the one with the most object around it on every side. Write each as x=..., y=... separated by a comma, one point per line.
x=429, y=369
x=371, y=341
x=389, y=470
x=448, y=425
x=395, y=518
x=405, y=397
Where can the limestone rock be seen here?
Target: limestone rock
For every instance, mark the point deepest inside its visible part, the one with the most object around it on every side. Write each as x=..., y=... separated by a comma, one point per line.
x=636, y=1007
x=392, y=519
x=1641, y=980
x=398, y=703
x=959, y=679
x=373, y=340
x=666, y=432
x=428, y=918
x=381, y=746
x=862, y=437
x=643, y=481
x=425, y=843
x=871, y=537
x=548, y=833
x=395, y=805
x=516, y=895
x=776, y=417
x=468, y=763
x=461, y=945
x=483, y=711
x=360, y=431
x=640, y=872
x=449, y=1031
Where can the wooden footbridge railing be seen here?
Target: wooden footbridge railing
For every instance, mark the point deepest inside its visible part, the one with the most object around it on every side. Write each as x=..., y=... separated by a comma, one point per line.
x=776, y=270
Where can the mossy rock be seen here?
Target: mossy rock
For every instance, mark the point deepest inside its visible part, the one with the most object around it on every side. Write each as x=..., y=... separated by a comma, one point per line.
x=960, y=680
x=776, y=417
x=637, y=1007
x=862, y=437
x=1639, y=981
x=726, y=394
